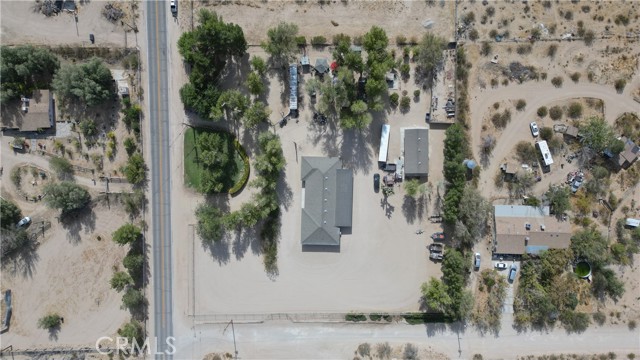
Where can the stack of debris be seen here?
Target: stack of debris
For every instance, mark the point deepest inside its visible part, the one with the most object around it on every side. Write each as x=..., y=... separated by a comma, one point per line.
x=112, y=13
x=47, y=7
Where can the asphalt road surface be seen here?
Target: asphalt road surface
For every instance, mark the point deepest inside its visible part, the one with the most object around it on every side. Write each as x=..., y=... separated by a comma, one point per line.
x=160, y=171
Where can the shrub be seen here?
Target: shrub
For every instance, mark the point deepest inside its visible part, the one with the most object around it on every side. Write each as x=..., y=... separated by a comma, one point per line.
x=130, y=146
x=486, y=48
x=416, y=93
x=355, y=317
x=546, y=133
x=341, y=38
x=589, y=36
x=555, y=112
x=523, y=49
x=551, y=50
x=575, y=77
x=632, y=325
x=245, y=175
x=542, y=111
x=50, y=321
x=557, y=81
x=575, y=110
x=318, y=40
x=473, y=35
x=620, y=84
x=424, y=318
x=521, y=104
x=301, y=41
x=88, y=128
x=599, y=317
x=405, y=103
x=401, y=40
x=404, y=70
x=394, y=99
x=62, y=167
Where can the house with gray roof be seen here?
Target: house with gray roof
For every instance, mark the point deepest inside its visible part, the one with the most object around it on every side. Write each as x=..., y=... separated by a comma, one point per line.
x=327, y=200
x=416, y=152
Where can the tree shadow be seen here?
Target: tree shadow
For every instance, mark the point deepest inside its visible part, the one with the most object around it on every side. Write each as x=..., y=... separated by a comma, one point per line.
x=219, y=250
x=387, y=207
x=356, y=154
x=410, y=209
x=245, y=239
x=53, y=332
x=77, y=220
x=285, y=195
x=22, y=261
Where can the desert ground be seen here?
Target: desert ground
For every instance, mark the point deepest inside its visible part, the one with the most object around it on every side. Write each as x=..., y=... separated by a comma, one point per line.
x=21, y=24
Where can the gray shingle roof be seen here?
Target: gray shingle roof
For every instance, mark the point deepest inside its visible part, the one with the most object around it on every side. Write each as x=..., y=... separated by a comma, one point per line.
x=416, y=152
x=327, y=200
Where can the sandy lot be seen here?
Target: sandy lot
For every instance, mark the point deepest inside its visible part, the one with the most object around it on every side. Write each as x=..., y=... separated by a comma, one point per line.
x=21, y=24
x=69, y=274
x=396, y=17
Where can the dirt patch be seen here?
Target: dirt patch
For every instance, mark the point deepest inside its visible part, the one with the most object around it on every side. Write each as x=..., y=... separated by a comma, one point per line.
x=70, y=277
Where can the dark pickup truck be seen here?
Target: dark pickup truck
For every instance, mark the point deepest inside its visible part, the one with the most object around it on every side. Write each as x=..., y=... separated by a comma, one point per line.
x=388, y=167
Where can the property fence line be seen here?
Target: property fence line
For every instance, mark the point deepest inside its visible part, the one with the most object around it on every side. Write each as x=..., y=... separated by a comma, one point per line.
x=298, y=317
x=34, y=232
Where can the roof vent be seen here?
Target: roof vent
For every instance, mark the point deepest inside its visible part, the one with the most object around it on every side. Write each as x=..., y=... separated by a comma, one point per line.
x=527, y=226
x=541, y=227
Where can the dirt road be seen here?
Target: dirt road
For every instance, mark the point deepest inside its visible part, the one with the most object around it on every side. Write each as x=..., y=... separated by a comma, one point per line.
x=285, y=340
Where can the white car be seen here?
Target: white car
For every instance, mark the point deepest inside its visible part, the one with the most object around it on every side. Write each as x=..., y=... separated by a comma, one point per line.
x=534, y=129
x=476, y=261
x=24, y=222
x=501, y=266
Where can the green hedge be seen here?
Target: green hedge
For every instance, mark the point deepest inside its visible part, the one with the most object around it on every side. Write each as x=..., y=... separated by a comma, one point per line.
x=356, y=317
x=424, y=318
x=247, y=169
x=378, y=317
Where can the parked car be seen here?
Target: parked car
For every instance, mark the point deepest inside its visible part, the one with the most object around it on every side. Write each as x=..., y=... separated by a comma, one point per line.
x=24, y=222
x=436, y=256
x=174, y=7
x=576, y=184
x=438, y=236
x=512, y=272
x=376, y=182
x=436, y=248
x=476, y=261
x=501, y=266
x=534, y=129
x=92, y=38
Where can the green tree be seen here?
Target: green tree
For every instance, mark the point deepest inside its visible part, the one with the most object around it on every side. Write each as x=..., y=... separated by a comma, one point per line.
x=66, y=196
x=436, y=296
x=257, y=113
x=254, y=84
x=130, y=146
x=207, y=49
x=90, y=83
x=375, y=42
x=132, y=330
x=62, y=167
x=11, y=214
x=259, y=65
x=133, y=299
x=430, y=57
x=213, y=150
x=559, y=199
x=50, y=321
x=281, y=43
x=473, y=214
x=127, y=234
x=25, y=68
x=134, y=264
x=136, y=170
x=210, y=225
x=542, y=111
x=605, y=282
x=232, y=104
x=413, y=188
x=555, y=112
x=546, y=133
x=121, y=280
x=597, y=134
x=357, y=117
x=589, y=244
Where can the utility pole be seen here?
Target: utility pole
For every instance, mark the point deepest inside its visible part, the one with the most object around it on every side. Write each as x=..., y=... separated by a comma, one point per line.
x=234, y=337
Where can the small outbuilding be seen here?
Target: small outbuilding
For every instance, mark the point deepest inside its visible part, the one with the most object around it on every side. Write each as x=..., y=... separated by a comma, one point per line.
x=322, y=66
x=33, y=113
x=416, y=152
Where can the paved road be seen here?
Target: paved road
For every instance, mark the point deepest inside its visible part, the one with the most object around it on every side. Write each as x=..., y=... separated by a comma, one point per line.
x=156, y=13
